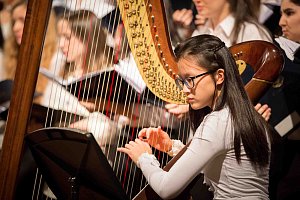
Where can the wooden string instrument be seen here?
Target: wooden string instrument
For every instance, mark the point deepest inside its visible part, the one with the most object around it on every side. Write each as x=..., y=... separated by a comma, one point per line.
x=145, y=24
x=149, y=18
x=37, y=16
x=148, y=36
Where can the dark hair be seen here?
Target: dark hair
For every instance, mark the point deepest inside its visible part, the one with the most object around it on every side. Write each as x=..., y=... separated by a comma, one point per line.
x=249, y=127
x=1, y=5
x=1, y=39
x=297, y=2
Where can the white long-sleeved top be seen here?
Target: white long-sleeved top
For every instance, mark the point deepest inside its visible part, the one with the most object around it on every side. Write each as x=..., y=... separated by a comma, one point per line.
x=211, y=152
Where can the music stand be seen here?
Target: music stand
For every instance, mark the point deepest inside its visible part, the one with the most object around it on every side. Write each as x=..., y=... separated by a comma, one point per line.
x=5, y=95
x=73, y=165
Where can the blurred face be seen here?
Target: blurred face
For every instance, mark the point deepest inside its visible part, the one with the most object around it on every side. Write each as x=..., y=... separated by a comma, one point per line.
x=211, y=8
x=18, y=17
x=202, y=94
x=71, y=46
x=290, y=20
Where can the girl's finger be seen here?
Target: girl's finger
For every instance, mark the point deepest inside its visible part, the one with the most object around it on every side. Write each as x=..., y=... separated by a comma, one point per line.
x=123, y=150
x=142, y=133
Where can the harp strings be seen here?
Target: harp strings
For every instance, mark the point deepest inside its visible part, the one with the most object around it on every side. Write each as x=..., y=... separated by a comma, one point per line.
x=106, y=101
x=156, y=101
x=131, y=170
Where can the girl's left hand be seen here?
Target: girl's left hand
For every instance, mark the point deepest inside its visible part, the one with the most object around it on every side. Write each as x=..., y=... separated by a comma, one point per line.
x=134, y=149
x=263, y=110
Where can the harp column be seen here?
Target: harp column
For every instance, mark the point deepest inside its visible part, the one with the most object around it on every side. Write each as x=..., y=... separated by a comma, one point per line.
x=36, y=21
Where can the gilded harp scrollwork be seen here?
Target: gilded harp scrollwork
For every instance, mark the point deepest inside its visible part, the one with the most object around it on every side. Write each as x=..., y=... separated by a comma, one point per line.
x=150, y=44
x=147, y=31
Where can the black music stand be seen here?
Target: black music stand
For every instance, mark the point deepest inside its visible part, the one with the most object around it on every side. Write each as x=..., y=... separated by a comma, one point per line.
x=5, y=95
x=73, y=165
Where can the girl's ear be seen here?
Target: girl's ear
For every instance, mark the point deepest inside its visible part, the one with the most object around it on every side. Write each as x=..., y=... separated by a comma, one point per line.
x=219, y=76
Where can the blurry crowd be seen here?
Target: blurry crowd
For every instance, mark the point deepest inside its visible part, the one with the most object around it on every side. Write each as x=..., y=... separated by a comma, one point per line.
x=82, y=38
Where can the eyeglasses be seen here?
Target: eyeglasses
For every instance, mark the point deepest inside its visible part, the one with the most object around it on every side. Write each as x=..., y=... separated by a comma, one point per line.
x=189, y=82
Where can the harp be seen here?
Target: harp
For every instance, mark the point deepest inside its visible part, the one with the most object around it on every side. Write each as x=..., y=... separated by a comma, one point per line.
x=154, y=39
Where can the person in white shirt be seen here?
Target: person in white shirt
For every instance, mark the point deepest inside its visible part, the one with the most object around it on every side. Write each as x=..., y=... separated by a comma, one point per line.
x=84, y=45
x=267, y=9
x=231, y=143
x=233, y=22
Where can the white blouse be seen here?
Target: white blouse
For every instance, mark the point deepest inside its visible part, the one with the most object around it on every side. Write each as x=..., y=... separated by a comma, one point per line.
x=224, y=31
x=211, y=152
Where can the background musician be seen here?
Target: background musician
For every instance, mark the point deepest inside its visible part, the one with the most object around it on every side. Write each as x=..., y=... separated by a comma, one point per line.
x=284, y=97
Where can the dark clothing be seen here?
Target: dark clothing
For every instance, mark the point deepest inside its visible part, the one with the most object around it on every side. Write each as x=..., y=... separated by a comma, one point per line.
x=284, y=100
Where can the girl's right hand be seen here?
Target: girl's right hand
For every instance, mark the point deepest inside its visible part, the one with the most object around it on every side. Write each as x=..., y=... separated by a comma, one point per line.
x=157, y=138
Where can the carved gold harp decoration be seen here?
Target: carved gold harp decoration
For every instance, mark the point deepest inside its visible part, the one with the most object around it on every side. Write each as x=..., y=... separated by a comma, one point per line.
x=149, y=41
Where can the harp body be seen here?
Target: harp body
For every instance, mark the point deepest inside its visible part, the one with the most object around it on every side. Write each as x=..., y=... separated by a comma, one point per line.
x=23, y=91
x=148, y=37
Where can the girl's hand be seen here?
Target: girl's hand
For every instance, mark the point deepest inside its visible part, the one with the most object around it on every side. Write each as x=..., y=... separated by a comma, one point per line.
x=180, y=111
x=157, y=138
x=134, y=149
x=264, y=110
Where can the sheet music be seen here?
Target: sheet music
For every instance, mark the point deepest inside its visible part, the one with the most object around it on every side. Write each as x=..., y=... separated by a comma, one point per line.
x=126, y=69
x=50, y=75
x=57, y=97
x=71, y=80
x=99, y=7
x=129, y=71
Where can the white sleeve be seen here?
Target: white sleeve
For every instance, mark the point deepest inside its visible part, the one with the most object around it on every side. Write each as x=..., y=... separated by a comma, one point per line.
x=177, y=145
x=204, y=147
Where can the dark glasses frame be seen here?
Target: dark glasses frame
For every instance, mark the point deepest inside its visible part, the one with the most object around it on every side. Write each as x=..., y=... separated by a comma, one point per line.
x=187, y=81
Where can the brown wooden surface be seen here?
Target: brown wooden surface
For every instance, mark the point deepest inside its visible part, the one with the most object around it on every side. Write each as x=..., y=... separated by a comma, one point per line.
x=24, y=86
x=160, y=33
x=267, y=61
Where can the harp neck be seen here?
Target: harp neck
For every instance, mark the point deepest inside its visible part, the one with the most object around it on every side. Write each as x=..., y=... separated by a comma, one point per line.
x=148, y=38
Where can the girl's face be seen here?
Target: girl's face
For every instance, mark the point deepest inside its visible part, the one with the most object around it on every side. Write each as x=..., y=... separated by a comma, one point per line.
x=202, y=94
x=210, y=8
x=290, y=20
x=71, y=46
x=18, y=17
